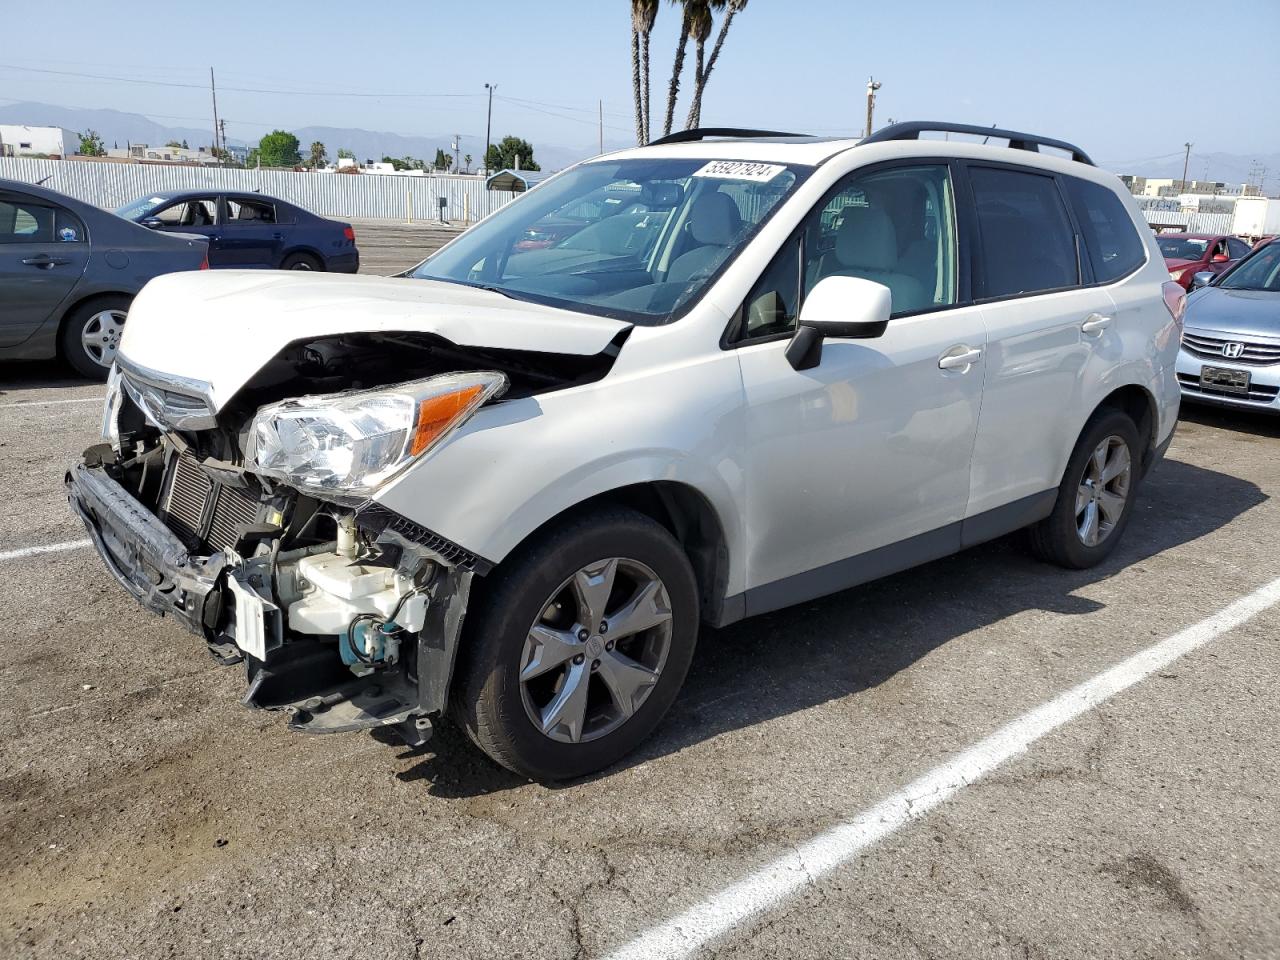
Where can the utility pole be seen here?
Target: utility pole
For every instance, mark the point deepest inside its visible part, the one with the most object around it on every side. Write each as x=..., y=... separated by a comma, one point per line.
x=222, y=135
x=601, y=105
x=457, y=142
x=488, y=127
x=1185, y=161
x=214, y=91
x=872, y=87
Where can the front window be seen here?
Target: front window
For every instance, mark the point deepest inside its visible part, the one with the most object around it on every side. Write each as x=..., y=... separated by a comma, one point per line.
x=1259, y=272
x=639, y=239
x=1182, y=248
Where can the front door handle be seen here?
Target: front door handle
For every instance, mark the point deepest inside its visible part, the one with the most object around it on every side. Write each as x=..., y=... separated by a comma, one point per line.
x=1094, y=324
x=959, y=358
x=45, y=262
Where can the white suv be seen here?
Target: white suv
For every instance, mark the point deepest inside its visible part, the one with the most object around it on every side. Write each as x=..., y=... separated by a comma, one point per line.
x=693, y=382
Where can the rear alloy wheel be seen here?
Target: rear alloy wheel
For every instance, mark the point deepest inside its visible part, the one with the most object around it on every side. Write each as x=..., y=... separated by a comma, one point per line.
x=1096, y=497
x=301, y=261
x=91, y=336
x=577, y=645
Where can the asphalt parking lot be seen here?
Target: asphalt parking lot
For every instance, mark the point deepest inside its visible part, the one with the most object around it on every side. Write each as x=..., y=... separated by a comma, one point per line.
x=145, y=813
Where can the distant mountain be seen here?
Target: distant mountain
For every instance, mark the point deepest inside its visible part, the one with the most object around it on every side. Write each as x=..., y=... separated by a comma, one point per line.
x=117, y=127
x=114, y=126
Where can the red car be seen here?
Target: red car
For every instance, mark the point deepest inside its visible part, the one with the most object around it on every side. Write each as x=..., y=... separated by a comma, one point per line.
x=1186, y=254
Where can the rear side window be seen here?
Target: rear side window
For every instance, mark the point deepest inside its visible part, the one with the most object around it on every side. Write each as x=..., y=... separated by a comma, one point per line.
x=1027, y=241
x=1237, y=248
x=1115, y=249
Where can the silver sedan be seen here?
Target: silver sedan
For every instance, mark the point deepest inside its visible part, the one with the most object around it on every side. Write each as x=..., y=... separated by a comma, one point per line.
x=1231, y=345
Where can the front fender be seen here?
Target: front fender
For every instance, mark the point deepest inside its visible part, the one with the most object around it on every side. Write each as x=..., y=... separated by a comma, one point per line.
x=518, y=464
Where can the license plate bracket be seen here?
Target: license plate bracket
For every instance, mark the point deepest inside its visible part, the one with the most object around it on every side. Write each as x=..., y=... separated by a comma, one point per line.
x=1225, y=379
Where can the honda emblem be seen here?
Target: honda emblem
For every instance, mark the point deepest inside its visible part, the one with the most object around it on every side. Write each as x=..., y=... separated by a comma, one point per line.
x=1232, y=350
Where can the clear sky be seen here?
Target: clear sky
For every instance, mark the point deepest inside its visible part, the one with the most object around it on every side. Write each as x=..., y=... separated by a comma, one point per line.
x=1126, y=79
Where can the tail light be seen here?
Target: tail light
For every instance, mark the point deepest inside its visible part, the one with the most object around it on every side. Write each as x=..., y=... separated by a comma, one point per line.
x=1175, y=300
x=204, y=264
x=349, y=233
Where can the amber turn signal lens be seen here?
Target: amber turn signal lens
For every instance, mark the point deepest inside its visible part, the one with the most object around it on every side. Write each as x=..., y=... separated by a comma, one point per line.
x=437, y=414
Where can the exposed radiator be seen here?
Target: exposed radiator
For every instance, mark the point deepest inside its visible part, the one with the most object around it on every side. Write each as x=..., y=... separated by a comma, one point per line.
x=202, y=512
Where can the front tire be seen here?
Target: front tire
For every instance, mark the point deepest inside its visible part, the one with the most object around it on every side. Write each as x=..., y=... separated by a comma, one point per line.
x=578, y=646
x=1095, y=500
x=91, y=335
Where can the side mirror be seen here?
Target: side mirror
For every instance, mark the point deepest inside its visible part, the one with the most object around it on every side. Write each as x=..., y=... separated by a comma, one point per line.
x=1219, y=258
x=846, y=308
x=1201, y=279
x=152, y=223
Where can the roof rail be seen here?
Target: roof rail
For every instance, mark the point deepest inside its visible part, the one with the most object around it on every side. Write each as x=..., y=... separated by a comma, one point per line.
x=702, y=133
x=912, y=129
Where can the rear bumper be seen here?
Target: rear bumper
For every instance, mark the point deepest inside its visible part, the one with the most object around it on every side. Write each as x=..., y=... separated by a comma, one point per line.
x=140, y=551
x=344, y=262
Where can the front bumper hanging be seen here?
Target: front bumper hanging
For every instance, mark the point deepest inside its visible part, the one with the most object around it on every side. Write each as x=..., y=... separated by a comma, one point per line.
x=301, y=675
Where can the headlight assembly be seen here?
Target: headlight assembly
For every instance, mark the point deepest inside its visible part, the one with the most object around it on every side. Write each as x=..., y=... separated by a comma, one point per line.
x=352, y=443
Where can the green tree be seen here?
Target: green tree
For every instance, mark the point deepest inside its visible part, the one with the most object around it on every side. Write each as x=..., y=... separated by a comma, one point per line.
x=317, y=156
x=345, y=154
x=91, y=144
x=643, y=15
x=504, y=155
x=396, y=164
x=467, y=161
x=175, y=144
x=278, y=149
x=442, y=161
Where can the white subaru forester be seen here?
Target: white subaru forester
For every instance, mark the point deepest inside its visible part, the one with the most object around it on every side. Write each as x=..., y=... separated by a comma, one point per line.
x=696, y=381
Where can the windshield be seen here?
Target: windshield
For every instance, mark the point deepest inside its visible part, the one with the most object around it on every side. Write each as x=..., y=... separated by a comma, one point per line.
x=140, y=208
x=1260, y=272
x=1182, y=248
x=636, y=239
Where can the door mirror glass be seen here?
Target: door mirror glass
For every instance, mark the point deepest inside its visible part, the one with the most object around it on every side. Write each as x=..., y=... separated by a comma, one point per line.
x=1201, y=279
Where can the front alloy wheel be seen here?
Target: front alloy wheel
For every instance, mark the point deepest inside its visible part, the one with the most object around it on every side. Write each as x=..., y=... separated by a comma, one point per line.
x=597, y=650
x=576, y=645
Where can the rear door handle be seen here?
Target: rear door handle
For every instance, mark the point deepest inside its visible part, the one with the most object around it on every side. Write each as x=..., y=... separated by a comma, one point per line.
x=959, y=358
x=45, y=261
x=1095, y=323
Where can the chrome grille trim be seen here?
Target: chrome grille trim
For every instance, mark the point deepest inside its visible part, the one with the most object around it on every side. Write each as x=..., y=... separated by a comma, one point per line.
x=170, y=402
x=1255, y=353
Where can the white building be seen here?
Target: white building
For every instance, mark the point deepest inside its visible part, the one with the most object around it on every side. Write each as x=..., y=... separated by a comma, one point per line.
x=18, y=140
x=141, y=151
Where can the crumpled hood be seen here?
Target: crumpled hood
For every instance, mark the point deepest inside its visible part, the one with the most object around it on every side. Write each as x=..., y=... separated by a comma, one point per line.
x=221, y=327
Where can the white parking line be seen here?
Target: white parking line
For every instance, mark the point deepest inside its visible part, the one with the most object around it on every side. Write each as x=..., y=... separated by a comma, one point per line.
x=47, y=548
x=52, y=403
x=773, y=884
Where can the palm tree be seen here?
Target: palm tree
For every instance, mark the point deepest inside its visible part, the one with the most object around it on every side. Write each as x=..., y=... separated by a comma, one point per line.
x=677, y=68
x=643, y=15
x=703, y=75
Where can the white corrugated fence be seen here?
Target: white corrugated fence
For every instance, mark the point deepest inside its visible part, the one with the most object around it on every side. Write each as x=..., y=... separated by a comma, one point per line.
x=363, y=196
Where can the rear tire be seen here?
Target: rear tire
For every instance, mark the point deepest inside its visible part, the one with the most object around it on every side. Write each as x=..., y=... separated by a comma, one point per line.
x=301, y=261
x=543, y=688
x=91, y=335
x=1095, y=499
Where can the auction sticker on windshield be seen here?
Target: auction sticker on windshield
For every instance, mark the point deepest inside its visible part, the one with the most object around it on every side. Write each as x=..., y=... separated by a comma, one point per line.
x=740, y=170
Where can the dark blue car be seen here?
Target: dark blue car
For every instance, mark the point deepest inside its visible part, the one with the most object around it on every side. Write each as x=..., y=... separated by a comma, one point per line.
x=250, y=230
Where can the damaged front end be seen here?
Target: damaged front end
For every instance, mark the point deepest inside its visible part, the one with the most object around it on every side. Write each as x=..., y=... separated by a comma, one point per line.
x=255, y=527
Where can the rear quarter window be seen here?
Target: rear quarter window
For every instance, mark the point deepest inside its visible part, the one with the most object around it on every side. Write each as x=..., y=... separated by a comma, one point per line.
x=1114, y=247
